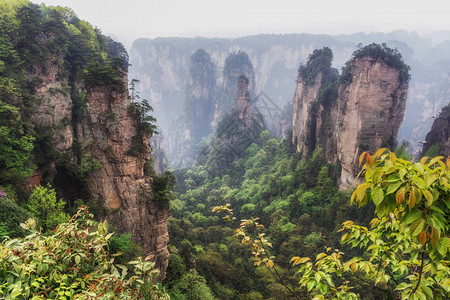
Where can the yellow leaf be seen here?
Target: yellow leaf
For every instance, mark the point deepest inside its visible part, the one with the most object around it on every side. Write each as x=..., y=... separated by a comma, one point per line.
x=320, y=255
x=345, y=237
x=353, y=197
x=435, y=160
x=424, y=160
x=361, y=157
x=423, y=237
x=269, y=264
x=429, y=196
x=361, y=191
x=380, y=151
x=392, y=157
x=295, y=260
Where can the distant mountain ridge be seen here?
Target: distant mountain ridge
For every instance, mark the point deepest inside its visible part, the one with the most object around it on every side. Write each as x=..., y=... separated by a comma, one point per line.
x=162, y=65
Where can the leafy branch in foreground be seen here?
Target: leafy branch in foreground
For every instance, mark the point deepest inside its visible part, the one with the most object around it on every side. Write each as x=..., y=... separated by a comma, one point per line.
x=407, y=245
x=73, y=263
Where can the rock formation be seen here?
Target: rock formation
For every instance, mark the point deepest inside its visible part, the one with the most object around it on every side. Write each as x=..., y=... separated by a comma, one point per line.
x=243, y=101
x=236, y=65
x=316, y=90
x=368, y=112
x=362, y=113
x=439, y=135
x=105, y=134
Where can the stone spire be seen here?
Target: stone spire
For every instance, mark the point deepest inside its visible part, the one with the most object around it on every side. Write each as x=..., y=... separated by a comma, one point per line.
x=243, y=101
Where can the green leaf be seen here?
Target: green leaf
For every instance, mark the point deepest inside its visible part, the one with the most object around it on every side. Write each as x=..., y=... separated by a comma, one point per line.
x=310, y=285
x=417, y=226
x=393, y=187
x=77, y=259
x=412, y=216
x=402, y=286
x=419, y=182
x=392, y=178
x=377, y=195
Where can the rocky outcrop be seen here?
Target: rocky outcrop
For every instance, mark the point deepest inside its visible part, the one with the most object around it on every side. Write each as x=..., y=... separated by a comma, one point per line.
x=197, y=114
x=162, y=65
x=362, y=113
x=99, y=139
x=439, y=135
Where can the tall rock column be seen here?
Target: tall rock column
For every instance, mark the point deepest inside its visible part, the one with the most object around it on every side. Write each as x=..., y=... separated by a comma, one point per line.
x=368, y=112
x=303, y=120
x=243, y=101
x=314, y=96
x=198, y=108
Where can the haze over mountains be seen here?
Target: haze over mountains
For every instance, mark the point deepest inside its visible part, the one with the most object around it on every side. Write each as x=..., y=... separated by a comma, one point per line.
x=162, y=65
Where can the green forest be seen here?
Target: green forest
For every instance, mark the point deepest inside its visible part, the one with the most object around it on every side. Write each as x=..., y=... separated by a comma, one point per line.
x=253, y=220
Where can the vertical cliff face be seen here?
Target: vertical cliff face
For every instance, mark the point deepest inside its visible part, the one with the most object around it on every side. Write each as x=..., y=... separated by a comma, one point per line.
x=303, y=118
x=162, y=65
x=368, y=112
x=197, y=113
x=361, y=113
x=86, y=138
x=316, y=92
x=120, y=181
x=105, y=134
x=438, y=139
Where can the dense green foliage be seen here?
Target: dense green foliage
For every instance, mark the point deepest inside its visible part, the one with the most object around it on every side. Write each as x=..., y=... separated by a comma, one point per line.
x=11, y=215
x=319, y=62
x=72, y=263
x=145, y=127
x=298, y=203
x=51, y=47
x=46, y=208
x=15, y=146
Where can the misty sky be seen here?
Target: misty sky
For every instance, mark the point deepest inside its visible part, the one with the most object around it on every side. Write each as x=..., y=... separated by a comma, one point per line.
x=130, y=19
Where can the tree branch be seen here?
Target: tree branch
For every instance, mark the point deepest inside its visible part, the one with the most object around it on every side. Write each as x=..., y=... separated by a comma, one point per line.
x=421, y=269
